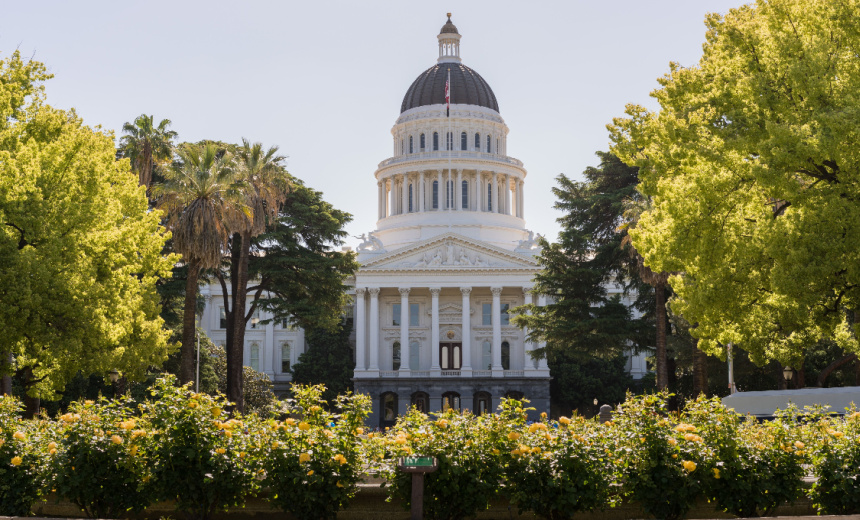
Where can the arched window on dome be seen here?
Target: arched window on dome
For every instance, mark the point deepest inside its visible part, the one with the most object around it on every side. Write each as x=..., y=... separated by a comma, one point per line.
x=435, y=141
x=497, y=145
x=435, y=194
x=465, y=187
x=402, y=147
x=506, y=355
x=450, y=141
x=464, y=141
x=411, y=149
x=422, y=143
x=477, y=142
x=489, y=197
x=488, y=144
x=410, y=198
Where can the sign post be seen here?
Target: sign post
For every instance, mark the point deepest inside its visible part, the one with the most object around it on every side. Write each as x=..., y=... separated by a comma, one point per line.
x=418, y=466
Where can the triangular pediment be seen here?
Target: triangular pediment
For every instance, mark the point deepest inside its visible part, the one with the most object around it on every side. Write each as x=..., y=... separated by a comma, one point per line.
x=450, y=251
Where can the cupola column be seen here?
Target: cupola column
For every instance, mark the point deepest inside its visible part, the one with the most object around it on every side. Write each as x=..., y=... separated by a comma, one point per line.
x=440, y=190
x=496, y=201
x=404, y=193
x=380, y=201
x=507, y=194
x=479, y=197
x=459, y=191
x=392, y=197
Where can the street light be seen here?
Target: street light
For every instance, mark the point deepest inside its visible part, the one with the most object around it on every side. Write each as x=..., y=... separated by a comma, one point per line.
x=787, y=373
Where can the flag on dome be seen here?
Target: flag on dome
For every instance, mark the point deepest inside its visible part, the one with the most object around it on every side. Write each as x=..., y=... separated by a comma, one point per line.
x=448, y=95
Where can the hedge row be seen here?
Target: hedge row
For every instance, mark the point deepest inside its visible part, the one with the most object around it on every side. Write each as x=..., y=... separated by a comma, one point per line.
x=116, y=457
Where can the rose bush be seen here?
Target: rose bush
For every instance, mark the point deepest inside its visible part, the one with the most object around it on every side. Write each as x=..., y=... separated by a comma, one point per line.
x=836, y=464
x=23, y=452
x=311, y=460
x=101, y=459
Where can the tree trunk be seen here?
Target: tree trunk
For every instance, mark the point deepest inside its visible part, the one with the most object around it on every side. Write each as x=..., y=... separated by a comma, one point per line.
x=700, y=371
x=800, y=378
x=189, y=325
x=6, y=379
x=235, y=356
x=660, y=354
x=31, y=404
x=822, y=377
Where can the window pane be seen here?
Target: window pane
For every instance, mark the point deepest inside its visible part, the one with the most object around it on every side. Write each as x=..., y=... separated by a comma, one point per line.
x=395, y=356
x=395, y=314
x=389, y=403
x=489, y=197
x=435, y=194
x=410, y=199
x=506, y=318
x=285, y=357
x=465, y=202
x=444, y=357
x=422, y=142
x=413, y=314
x=506, y=355
x=487, y=313
x=477, y=142
x=255, y=356
x=414, y=352
x=487, y=355
x=456, y=360
x=463, y=141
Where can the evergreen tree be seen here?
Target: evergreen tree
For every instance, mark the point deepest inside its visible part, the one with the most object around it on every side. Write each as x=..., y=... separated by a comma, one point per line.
x=328, y=360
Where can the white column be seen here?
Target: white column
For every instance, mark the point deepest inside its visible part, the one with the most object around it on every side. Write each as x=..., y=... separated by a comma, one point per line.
x=434, y=331
x=495, y=193
x=497, y=331
x=392, y=197
x=449, y=181
x=421, y=191
x=522, y=199
x=440, y=193
x=528, y=362
x=374, y=329
x=507, y=192
x=479, y=192
x=404, y=194
x=459, y=190
x=267, y=362
x=542, y=362
x=404, y=330
x=360, y=334
x=466, y=368
x=379, y=197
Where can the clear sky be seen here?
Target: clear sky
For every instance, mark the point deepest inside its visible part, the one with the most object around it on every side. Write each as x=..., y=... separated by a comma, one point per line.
x=324, y=80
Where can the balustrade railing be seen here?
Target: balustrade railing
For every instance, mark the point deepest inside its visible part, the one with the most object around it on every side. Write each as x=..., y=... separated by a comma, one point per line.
x=455, y=154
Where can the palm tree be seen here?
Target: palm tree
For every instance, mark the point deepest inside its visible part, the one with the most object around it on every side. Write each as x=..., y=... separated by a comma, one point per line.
x=266, y=184
x=205, y=203
x=146, y=145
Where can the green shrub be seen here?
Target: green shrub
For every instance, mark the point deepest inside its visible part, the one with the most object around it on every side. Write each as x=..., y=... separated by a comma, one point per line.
x=23, y=449
x=102, y=462
x=199, y=460
x=312, y=460
x=836, y=466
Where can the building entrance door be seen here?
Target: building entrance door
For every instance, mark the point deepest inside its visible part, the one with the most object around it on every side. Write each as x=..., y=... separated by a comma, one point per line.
x=450, y=355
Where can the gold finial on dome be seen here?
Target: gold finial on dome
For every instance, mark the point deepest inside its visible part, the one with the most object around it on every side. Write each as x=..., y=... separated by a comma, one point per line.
x=449, y=17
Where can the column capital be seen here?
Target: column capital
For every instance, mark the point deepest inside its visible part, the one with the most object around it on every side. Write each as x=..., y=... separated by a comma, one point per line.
x=528, y=289
x=465, y=290
x=497, y=291
x=404, y=291
x=374, y=291
x=434, y=291
x=360, y=290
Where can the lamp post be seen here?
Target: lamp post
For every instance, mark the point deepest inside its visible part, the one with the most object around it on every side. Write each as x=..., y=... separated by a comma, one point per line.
x=114, y=377
x=787, y=373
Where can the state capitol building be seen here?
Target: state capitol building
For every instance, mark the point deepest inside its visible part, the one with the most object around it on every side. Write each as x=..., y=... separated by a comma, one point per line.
x=449, y=257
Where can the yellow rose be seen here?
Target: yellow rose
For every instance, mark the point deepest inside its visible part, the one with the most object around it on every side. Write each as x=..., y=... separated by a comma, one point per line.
x=442, y=423
x=52, y=445
x=275, y=444
x=315, y=409
x=304, y=457
x=133, y=450
x=564, y=421
x=543, y=415
x=311, y=472
x=799, y=445
x=192, y=404
x=359, y=431
x=89, y=402
x=228, y=433
x=138, y=433
x=672, y=442
x=289, y=421
x=689, y=465
x=716, y=472
x=19, y=436
x=127, y=425
x=303, y=426
x=216, y=412
x=16, y=461
x=339, y=484
x=340, y=459
x=513, y=436
x=495, y=451
x=52, y=451
x=220, y=451
x=116, y=439
x=674, y=455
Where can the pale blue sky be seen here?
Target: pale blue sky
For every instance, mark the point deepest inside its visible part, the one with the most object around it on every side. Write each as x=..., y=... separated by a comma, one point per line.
x=324, y=80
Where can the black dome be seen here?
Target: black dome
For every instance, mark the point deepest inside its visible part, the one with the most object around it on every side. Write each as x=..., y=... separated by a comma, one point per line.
x=467, y=88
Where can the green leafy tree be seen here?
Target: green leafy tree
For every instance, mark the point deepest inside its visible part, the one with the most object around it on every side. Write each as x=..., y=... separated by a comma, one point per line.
x=576, y=382
x=147, y=146
x=204, y=202
x=327, y=361
x=751, y=162
x=80, y=250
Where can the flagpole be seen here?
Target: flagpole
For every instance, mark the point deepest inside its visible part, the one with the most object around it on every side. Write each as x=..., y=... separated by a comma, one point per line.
x=451, y=150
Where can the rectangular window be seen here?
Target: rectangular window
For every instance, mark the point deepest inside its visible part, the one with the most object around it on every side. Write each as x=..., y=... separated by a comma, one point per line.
x=449, y=196
x=489, y=197
x=488, y=144
x=477, y=142
x=487, y=313
x=255, y=356
x=463, y=141
x=254, y=322
x=222, y=317
x=285, y=357
x=413, y=314
x=395, y=314
x=506, y=319
x=465, y=201
x=435, y=194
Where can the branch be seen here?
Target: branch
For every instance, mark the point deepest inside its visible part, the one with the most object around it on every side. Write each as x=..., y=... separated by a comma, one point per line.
x=224, y=294
x=21, y=242
x=833, y=366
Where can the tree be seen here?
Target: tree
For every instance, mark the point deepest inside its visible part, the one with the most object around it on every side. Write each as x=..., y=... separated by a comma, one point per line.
x=327, y=361
x=265, y=185
x=577, y=382
x=146, y=145
x=204, y=202
x=79, y=247
x=582, y=319
x=752, y=164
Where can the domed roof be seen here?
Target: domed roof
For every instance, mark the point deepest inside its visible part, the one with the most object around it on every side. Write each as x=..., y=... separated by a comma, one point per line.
x=449, y=27
x=467, y=88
